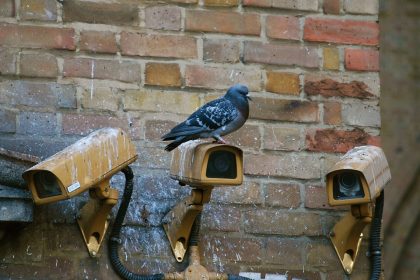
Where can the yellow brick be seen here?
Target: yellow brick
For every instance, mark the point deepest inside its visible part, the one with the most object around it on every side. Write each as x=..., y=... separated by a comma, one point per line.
x=160, y=101
x=283, y=83
x=100, y=98
x=221, y=2
x=331, y=59
x=163, y=74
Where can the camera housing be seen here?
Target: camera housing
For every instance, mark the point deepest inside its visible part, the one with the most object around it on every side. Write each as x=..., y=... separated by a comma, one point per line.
x=358, y=177
x=81, y=166
x=207, y=164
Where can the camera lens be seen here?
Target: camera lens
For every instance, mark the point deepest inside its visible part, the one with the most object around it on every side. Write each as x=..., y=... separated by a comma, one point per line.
x=347, y=185
x=46, y=184
x=221, y=164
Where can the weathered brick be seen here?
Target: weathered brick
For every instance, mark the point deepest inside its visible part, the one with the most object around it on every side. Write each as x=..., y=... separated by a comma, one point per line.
x=7, y=8
x=221, y=218
x=331, y=58
x=361, y=6
x=233, y=249
x=283, y=27
x=126, y=71
x=38, y=94
x=283, y=195
x=100, y=12
x=163, y=74
x=154, y=129
x=282, y=138
x=158, y=101
x=257, y=3
x=8, y=123
x=284, y=110
x=316, y=198
x=321, y=254
x=246, y=136
x=184, y=1
x=226, y=3
x=361, y=60
x=100, y=98
x=154, y=158
x=269, y=53
x=303, y=5
x=221, y=50
x=360, y=114
x=98, y=41
x=332, y=113
x=221, y=77
x=158, y=45
x=283, y=83
x=34, y=123
x=45, y=10
x=222, y=22
x=38, y=65
x=282, y=222
x=84, y=124
x=247, y=193
x=331, y=7
x=341, y=31
x=37, y=37
x=8, y=61
x=338, y=141
x=285, y=252
x=328, y=87
x=163, y=17
x=300, y=166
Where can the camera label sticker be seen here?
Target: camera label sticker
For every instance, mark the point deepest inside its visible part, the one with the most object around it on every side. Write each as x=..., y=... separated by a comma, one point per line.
x=73, y=187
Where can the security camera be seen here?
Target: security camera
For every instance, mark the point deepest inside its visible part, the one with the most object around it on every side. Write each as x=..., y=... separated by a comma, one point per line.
x=81, y=166
x=358, y=177
x=88, y=164
x=207, y=164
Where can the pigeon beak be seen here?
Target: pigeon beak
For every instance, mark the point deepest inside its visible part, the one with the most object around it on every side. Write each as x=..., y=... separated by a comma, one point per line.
x=249, y=98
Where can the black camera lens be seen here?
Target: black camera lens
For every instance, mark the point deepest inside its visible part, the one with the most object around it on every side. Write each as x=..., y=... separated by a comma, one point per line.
x=347, y=185
x=221, y=164
x=46, y=184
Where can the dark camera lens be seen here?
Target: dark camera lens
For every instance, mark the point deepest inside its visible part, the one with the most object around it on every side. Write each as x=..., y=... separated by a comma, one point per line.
x=46, y=184
x=347, y=185
x=222, y=164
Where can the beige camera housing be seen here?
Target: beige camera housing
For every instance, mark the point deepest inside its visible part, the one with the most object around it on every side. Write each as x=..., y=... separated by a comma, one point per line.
x=370, y=166
x=81, y=166
x=193, y=163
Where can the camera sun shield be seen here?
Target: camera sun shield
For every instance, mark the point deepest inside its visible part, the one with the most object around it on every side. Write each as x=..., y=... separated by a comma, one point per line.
x=203, y=164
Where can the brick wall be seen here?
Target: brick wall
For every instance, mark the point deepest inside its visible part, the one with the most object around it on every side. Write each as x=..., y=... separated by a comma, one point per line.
x=312, y=68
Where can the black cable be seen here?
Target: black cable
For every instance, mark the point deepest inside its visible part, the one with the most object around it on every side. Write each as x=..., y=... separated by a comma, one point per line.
x=114, y=238
x=375, y=239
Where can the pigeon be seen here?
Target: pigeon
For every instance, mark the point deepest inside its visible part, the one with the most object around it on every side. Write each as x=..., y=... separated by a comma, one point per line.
x=214, y=119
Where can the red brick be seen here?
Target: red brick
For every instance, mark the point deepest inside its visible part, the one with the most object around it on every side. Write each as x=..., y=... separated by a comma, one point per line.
x=361, y=60
x=45, y=10
x=285, y=252
x=337, y=141
x=339, y=31
x=282, y=222
x=246, y=194
x=284, y=110
x=301, y=166
x=268, y=53
x=163, y=17
x=8, y=123
x=8, y=59
x=84, y=124
x=225, y=3
x=331, y=7
x=322, y=254
x=7, y=8
x=98, y=41
x=158, y=45
x=221, y=50
x=332, y=113
x=37, y=37
x=233, y=248
x=257, y=3
x=221, y=77
x=126, y=71
x=330, y=88
x=283, y=27
x=38, y=65
x=222, y=22
x=100, y=12
x=163, y=74
x=221, y=218
x=316, y=198
x=283, y=195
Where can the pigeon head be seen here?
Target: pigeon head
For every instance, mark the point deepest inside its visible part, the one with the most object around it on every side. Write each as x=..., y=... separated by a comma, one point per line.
x=238, y=91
